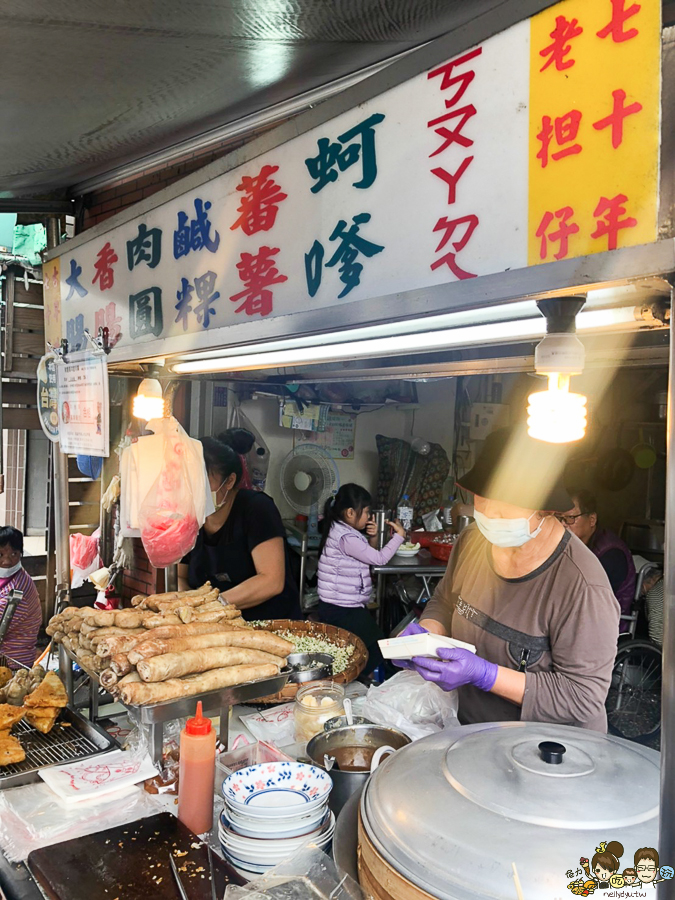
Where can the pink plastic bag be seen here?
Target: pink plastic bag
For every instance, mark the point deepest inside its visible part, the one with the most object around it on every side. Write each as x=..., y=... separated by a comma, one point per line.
x=167, y=517
x=83, y=550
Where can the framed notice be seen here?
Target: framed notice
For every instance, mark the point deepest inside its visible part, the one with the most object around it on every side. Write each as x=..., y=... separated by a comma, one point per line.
x=337, y=440
x=84, y=425
x=48, y=396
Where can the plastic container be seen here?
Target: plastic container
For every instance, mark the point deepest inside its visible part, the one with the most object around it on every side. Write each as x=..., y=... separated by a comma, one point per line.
x=404, y=513
x=315, y=704
x=197, y=773
x=248, y=755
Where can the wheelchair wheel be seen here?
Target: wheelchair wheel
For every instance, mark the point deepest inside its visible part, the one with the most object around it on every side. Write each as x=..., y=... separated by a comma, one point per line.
x=634, y=699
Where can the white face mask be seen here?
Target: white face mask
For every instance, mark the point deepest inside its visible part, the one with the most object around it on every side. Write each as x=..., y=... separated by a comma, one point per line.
x=7, y=573
x=214, y=497
x=506, y=532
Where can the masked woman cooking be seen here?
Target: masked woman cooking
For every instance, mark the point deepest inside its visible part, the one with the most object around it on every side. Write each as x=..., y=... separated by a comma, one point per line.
x=530, y=596
x=241, y=549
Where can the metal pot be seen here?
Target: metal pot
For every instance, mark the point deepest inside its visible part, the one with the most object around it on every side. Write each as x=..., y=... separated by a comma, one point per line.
x=334, y=743
x=449, y=814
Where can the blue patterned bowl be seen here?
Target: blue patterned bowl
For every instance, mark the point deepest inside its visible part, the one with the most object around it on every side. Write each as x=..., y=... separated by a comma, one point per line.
x=277, y=789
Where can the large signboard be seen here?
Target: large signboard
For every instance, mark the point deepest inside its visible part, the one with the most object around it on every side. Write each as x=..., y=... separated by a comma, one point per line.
x=540, y=144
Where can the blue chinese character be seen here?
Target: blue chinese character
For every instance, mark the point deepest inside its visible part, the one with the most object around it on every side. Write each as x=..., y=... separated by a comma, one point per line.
x=196, y=234
x=351, y=245
x=75, y=333
x=204, y=286
x=184, y=296
x=72, y=280
x=145, y=247
x=343, y=154
x=145, y=313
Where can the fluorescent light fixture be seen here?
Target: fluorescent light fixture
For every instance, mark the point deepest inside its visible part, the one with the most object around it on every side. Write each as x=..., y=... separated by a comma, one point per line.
x=148, y=402
x=327, y=348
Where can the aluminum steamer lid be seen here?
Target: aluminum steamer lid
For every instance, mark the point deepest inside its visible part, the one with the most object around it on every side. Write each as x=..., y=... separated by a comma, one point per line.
x=453, y=811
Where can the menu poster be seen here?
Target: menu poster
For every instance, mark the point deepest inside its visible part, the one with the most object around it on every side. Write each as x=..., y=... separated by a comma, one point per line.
x=83, y=404
x=338, y=439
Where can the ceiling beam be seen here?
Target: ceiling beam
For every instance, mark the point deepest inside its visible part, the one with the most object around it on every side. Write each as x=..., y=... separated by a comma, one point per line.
x=32, y=206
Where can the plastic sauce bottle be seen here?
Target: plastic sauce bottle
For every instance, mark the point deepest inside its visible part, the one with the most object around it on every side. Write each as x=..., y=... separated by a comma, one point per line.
x=405, y=513
x=197, y=773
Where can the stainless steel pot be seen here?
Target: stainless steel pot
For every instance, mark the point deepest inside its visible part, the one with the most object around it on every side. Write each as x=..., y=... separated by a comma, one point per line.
x=364, y=737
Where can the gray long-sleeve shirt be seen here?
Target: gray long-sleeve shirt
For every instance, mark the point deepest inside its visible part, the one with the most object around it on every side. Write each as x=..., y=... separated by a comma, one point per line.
x=568, y=600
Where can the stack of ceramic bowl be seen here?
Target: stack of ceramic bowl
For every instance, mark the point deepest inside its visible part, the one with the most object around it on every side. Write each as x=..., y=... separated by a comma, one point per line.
x=271, y=811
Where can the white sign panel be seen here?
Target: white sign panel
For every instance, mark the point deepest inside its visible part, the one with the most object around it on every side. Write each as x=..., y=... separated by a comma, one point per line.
x=486, y=163
x=83, y=404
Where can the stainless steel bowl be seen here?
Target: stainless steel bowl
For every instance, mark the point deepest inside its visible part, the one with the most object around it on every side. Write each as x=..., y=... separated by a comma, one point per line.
x=341, y=722
x=309, y=667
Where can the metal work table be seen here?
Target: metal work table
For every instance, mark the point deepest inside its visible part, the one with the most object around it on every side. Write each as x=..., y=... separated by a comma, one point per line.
x=423, y=566
x=154, y=716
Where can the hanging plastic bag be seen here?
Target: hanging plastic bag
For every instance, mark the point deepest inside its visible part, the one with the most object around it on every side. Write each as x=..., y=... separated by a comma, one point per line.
x=84, y=557
x=167, y=516
x=414, y=706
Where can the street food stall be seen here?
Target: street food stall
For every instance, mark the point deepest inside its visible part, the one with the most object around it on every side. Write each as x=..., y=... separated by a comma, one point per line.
x=503, y=186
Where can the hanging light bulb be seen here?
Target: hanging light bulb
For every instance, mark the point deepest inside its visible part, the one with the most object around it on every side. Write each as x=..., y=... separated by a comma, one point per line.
x=149, y=402
x=557, y=415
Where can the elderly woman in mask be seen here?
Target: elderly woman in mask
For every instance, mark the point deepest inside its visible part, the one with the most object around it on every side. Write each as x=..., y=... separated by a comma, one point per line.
x=528, y=594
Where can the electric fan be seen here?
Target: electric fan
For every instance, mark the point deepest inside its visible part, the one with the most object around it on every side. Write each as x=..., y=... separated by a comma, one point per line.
x=308, y=478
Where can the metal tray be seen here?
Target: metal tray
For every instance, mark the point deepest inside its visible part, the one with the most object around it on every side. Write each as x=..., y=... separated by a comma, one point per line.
x=72, y=738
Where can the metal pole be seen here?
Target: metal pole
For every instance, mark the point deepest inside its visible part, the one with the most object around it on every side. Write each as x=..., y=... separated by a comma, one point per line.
x=60, y=468
x=667, y=810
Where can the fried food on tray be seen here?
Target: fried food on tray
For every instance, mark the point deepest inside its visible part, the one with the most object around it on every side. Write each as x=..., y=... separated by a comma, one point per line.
x=42, y=718
x=6, y=675
x=9, y=716
x=50, y=692
x=11, y=751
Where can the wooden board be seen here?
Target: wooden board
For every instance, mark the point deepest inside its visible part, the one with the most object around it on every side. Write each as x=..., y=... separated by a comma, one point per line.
x=130, y=862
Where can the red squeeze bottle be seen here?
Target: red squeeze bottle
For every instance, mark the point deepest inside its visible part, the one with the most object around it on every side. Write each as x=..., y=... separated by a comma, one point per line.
x=197, y=773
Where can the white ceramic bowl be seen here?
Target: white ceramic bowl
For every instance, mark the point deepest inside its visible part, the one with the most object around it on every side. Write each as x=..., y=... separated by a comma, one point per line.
x=242, y=845
x=304, y=831
x=284, y=826
x=407, y=554
x=278, y=789
x=248, y=858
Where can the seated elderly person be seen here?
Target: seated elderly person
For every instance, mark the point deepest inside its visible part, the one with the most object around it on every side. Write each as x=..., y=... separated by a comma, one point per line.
x=615, y=557
x=19, y=641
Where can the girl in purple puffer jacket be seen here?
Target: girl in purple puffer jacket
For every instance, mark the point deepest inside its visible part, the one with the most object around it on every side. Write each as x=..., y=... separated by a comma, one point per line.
x=345, y=557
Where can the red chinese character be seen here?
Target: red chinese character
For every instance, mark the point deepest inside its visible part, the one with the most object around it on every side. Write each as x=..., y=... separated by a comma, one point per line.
x=258, y=272
x=105, y=275
x=612, y=210
x=453, y=135
x=452, y=180
x=559, y=50
x=620, y=16
x=108, y=318
x=260, y=203
x=561, y=235
x=616, y=117
x=463, y=80
x=448, y=226
x=566, y=129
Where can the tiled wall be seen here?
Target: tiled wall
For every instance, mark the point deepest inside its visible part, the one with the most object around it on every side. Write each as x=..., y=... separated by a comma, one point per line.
x=15, y=478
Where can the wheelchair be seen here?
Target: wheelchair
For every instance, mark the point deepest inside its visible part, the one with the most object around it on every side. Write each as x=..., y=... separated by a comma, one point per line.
x=634, y=700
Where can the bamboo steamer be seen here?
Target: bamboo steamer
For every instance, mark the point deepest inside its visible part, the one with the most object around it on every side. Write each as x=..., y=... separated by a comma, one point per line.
x=378, y=880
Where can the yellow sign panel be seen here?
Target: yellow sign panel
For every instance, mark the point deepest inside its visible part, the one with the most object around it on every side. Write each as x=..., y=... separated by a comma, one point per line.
x=594, y=127
x=51, y=274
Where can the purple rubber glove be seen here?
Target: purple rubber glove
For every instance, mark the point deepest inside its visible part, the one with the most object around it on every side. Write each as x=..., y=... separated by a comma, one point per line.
x=456, y=668
x=411, y=628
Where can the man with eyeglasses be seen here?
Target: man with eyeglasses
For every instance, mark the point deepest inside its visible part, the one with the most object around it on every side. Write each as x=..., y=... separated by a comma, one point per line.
x=614, y=555
x=647, y=865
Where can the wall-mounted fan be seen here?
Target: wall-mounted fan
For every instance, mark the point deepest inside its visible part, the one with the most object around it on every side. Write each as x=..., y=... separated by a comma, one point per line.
x=308, y=478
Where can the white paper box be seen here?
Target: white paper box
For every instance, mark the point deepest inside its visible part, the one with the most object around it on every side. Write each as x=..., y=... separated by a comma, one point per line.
x=419, y=645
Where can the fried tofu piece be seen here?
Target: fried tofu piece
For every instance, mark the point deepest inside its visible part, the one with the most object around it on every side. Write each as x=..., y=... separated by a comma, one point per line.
x=50, y=692
x=42, y=718
x=6, y=675
x=9, y=716
x=11, y=751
